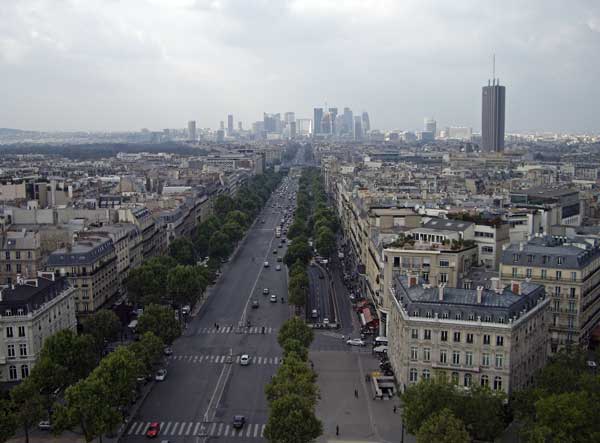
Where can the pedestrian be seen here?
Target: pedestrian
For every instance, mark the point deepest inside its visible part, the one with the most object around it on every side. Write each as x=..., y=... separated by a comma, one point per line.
x=217, y=326
x=356, y=393
x=337, y=430
x=395, y=409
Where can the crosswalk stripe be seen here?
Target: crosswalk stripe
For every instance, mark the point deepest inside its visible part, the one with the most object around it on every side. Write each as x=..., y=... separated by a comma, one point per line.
x=166, y=430
x=212, y=428
x=237, y=360
x=262, y=431
x=162, y=423
x=201, y=358
x=259, y=360
x=174, y=430
x=220, y=428
x=145, y=428
x=133, y=426
x=182, y=428
x=249, y=431
x=256, y=430
x=253, y=359
x=189, y=428
x=226, y=430
x=196, y=428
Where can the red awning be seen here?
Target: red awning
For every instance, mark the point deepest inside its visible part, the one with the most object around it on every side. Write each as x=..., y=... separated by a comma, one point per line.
x=367, y=314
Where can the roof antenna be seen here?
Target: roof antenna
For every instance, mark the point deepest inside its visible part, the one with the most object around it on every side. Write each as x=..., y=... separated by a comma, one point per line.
x=494, y=68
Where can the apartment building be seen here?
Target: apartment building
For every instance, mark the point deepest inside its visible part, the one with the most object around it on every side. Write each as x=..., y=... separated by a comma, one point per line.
x=154, y=238
x=494, y=338
x=90, y=265
x=20, y=255
x=32, y=310
x=570, y=271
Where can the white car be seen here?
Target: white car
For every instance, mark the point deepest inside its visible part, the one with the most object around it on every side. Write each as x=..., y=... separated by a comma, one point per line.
x=278, y=268
x=245, y=360
x=273, y=298
x=266, y=291
x=45, y=425
x=266, y=264
x=355, y=342
x=161, y=374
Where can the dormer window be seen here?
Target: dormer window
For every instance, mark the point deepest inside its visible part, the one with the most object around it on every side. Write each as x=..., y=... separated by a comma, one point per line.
x=559, y=260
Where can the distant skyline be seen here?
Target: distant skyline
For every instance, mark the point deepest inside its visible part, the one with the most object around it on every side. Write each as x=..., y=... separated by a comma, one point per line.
x=106, y=65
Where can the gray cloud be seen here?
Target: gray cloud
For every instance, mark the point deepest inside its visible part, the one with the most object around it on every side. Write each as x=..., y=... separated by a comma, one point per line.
x=108, y=64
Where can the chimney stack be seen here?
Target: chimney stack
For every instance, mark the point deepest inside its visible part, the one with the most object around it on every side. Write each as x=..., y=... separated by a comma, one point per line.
x=412, y=280
x=479, y=294
x=441, y=287
x=515, y=287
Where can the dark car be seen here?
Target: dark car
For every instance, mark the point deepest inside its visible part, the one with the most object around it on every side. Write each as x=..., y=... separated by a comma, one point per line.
x=239, y=421
x=254, y=304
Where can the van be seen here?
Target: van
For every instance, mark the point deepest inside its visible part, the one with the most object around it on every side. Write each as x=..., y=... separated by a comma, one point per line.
x=380, y=341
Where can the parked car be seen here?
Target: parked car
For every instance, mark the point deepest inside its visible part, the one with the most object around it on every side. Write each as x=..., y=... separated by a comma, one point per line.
x=245, y=360
x=355, y=342
x=314, y=313
x=266, y=264
x=161, y=374
x=254, y=304
x=45, y=425
x=239, y=421
x=266, y=291
x=273, y=298
x=278, y=268
x=153, y=430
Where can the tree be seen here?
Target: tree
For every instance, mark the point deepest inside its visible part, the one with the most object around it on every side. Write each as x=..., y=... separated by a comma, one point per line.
x=74, y=355
x=182, y=251
x=104, y=326
x=233, y=230
x=223, y=205
x=160, y=320
x=148, y=351
x=292, y=420
x=325, y=242
x=239, y=217
x=219, y=245
x=28, y=405
x=118, y=373
x=148, y=283
x=185, y=284
x=293, y=377
x=443, y=427
x=425, y=399
x=297, y=229
x=298, y=251
x=294, y=347
x=8, y=425
x=47, y=375
x=85, y=406
x=297, y=329
x=482, y=412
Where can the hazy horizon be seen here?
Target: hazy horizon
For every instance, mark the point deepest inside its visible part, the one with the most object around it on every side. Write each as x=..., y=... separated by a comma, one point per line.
x=96, y=65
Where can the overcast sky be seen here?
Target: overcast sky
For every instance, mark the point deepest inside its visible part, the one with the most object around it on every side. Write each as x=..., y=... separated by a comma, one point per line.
x=124, y=65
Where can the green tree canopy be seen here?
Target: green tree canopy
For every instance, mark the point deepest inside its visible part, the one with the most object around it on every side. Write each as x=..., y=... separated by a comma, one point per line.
x=292, y=420
x=223, y=205
x=28, y=405
x=443, y=427
x=295, y=328
x=294, y=347
x=148, y=350
x=219, y=245
x=160, y=320
x=8, y=424
x=325, y=242
x=182, y=251
x=298, y=251
x=233, y=230
x=104, y=326
x=185, y=284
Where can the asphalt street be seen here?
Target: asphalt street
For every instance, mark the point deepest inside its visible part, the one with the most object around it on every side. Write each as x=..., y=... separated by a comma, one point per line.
x=205, y=385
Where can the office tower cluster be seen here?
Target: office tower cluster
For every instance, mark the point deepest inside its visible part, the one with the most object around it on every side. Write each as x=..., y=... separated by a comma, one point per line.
x=327, y=122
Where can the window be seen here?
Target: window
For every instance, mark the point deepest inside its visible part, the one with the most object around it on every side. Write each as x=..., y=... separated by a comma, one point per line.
x=443, y=278
x=11, y=351
x=544, y=273
x=444, y=315
x=469, y=358
x=426, y=354
x=9, y=332
x=12, y=372
x=487, y=249
x=413, y=375
x=396, y=262
x=557, y=291
x=557, y=305
x=23, y=350
x=544, y=259
x=444, y=335
x=8, y=267
x=414, y=333
x=558, y=275
x=457, y=337
x=516, y=258
x=7, y=255
x=443, y=356
x=499, y=361
x=21, y=331
x=528, y=273
x=24, y=371
x=515, y=272
x=485, y=359
x=571, y=306
x=455, y=378
x=573, y=276
x=426, y=374
x=572, y=292
x=18, y=268
x=499, y=340
x=570, y=322
x=427, y=334
x=486, y=339
x=484, y=380
x=455, y=358
x=444, y=263
x=497, y=383
x=559, y=260
x=467, y=381
x=470, y=338
x=414, y=353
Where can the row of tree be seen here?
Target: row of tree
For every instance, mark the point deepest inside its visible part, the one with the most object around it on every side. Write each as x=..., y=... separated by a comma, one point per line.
x=75, y=386
x=292, y=393
x=438, y=410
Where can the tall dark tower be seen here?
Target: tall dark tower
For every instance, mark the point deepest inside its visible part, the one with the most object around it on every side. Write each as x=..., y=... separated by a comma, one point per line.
x=492, y=114
x=317, y=117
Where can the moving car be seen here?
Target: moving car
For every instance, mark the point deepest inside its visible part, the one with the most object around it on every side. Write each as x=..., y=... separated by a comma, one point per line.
x=314, y=313
x=279, y=259
x=45, y=425
x=274, y=251
x=161, y=374
x=273, y=298
x=325, y=321
x=278, y=268
x=266, y=291
x=254, y=304
x=245, y=360
x=153, y=429
x=266, y=264
x=239, y=421
x=355, y=342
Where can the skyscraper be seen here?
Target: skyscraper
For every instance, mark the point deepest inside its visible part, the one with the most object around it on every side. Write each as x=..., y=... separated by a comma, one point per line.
x=318, y=116
x=289, y=117
x=348, y=122
x=492, y=116
x=366, y=123
x=430, y=125
x=358, y=127
x=192, y=130
x=327, y=124
x=334, y=113
x=230, y=125
x=292, y=129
